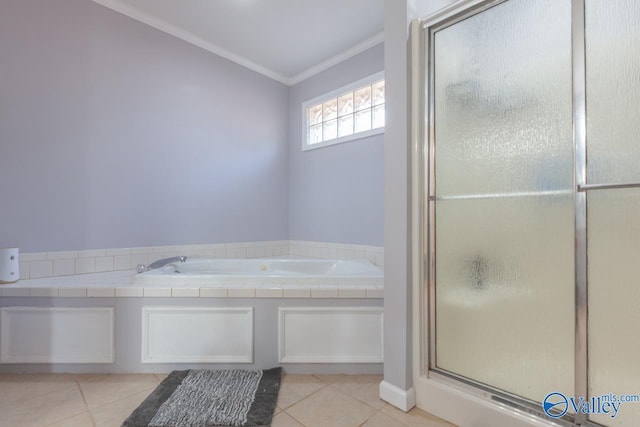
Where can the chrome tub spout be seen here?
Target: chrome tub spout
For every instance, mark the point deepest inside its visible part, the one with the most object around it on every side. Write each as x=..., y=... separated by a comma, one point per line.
x=141, y=268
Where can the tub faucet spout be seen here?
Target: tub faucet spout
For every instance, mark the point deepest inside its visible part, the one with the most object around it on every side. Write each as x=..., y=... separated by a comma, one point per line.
x=160, y=263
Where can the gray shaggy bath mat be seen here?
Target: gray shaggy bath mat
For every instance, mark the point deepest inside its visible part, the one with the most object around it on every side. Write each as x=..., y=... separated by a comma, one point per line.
x=207, y=398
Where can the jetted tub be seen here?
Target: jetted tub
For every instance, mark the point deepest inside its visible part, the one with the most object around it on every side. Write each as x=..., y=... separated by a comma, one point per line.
x=218, y=272
x=237, y=312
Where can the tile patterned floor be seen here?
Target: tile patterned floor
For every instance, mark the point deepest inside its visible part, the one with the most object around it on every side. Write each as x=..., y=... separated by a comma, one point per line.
x=63, y=400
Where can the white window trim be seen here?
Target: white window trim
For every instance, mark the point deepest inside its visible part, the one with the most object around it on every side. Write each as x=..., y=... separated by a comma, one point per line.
x=333, y=94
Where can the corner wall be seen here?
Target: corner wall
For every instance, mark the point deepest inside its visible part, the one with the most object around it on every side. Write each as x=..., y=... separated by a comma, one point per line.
x=335, y=192
x=114, y=134
x=397, y=385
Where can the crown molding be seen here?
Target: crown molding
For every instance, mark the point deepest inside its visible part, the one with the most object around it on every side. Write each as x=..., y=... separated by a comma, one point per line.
x=189, y=37
x=334, y=60
x=127, y=10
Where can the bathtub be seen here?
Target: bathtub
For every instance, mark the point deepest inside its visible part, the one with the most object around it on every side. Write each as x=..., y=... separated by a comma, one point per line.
x=274, y=272
x=205, y=312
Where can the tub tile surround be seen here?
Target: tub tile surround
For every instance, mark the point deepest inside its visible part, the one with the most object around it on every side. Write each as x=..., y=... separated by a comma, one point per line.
x=106, y=273
x=36, y=265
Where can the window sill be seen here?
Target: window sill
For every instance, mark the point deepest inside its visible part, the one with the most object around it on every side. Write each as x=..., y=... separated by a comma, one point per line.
x=359, y=135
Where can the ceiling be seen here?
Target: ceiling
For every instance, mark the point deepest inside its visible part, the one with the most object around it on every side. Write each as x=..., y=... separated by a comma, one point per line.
x=287, y=40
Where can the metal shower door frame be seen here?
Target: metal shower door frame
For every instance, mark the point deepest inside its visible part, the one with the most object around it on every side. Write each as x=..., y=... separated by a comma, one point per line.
x=430, y=26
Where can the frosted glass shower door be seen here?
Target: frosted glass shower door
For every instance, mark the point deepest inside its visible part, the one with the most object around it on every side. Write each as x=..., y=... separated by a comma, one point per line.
x=504, y=204
x=613, y=153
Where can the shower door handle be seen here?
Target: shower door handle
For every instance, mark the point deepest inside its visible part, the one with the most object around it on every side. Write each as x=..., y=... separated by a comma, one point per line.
x=613, y=186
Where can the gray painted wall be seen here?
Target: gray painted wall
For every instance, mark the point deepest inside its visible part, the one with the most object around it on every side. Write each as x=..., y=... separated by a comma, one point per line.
x=398, y=340
x=397, y=287
x=336, y=192
x=113, y=134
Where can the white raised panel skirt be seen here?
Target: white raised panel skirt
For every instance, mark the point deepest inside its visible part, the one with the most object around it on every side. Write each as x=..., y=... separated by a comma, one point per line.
x=312, y=315
x=197, y=335
x=56, y=335
x=330, y=335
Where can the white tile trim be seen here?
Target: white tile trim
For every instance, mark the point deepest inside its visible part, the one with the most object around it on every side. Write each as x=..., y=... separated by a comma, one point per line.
x=185, y=292
x=101, y=292
x=43, y=292
x=72, y=292
x=95, y=261
x=129, y=292
x=213, y=293
x=156, y=292
x=60, y=263
x=15, y=292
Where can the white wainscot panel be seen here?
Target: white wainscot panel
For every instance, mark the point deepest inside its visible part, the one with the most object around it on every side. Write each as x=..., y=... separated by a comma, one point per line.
x=56, y=335
x=330, y=335
x=197, y=335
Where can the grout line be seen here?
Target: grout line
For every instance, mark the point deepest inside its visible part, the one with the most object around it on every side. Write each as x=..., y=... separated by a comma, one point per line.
x=335, y=385
x=379, y=411
x=84, y=398
x=147, y=390
x=319, y=379
x=375, y=409
x=362, y=401
x=338, y=390
x=127, y=395
x=324, y=385
x=59, y=389
x=71, y=416
x=294, y=418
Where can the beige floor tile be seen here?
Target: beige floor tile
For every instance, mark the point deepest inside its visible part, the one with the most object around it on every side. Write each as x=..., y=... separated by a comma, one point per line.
x=114, y=413
x=415, y=418
x=85, y=377
x=304, y=401
x=81, y=420
x=294, y=388
x=284, y=420
x=15, y=387
x=103, y=389
x=42, y=410
x=330, y=407
x=381, y=420
x=365, y=388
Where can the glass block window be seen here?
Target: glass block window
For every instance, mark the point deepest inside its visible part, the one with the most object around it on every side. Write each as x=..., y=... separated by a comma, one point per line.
x=349, y=113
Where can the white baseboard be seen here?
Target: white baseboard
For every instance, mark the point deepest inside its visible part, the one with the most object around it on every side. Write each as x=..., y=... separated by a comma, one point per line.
x=401, y=399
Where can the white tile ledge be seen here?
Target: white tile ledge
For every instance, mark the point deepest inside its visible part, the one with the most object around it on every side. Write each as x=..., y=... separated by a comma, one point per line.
x=118, y=284
x=35, y=265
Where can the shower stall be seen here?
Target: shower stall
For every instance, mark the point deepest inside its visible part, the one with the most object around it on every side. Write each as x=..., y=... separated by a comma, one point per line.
x=529, y=140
